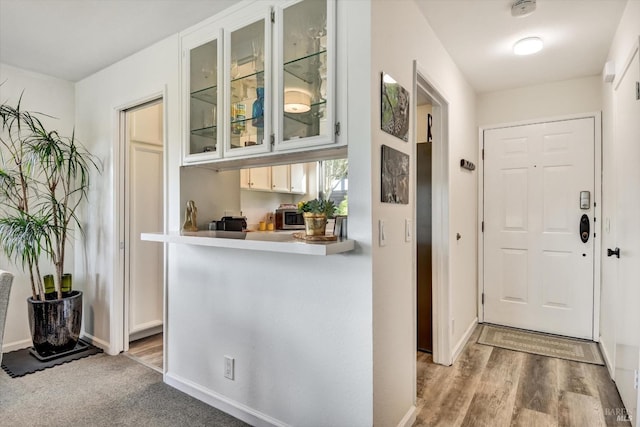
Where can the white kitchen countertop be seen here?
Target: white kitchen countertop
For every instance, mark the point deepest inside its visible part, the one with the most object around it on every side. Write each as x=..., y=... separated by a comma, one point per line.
x=269, y=241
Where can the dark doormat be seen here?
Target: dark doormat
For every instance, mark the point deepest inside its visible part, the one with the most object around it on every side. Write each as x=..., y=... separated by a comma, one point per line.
x=21, y=362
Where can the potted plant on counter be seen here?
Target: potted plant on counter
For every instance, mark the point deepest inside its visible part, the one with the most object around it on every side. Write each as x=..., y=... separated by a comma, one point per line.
x=44, y=178
x=315, y=213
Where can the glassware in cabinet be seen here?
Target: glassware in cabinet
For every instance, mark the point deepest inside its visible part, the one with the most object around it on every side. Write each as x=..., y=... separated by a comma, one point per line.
x=248, y=76
x=203, y=115
x=306, y=76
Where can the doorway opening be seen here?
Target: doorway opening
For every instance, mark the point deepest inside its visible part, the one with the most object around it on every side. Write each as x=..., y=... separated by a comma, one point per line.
x=424, y=266
x=142, y=210
x=431, y=245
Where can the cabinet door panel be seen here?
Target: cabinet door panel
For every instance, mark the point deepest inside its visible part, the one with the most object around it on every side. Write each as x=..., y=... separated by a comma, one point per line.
x=260, y=178
x=280, y=178
x=299, y=178
x=305, y=74
x=202, y=65
x=247, y=66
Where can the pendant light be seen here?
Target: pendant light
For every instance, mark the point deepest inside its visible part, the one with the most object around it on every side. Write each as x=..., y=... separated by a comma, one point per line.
x=296, y=101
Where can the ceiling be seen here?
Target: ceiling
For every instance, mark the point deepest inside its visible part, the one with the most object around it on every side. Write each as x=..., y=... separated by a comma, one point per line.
x=479, y=36
x=72, y=39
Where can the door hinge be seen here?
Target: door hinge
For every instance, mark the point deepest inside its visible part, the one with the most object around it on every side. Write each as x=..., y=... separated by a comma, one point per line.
x=637, y=91
x=273, y=139
x=482, y=227
x=483, y=154
x=273, y=15
x=636, y=380
x=338, y=129
x=483, y=298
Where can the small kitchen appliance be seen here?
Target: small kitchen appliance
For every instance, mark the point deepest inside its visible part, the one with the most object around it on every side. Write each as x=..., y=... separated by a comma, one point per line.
x=288, y=218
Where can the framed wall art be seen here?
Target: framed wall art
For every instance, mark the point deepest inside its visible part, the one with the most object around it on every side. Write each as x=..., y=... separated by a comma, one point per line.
x=394, y=185
x=395, y=102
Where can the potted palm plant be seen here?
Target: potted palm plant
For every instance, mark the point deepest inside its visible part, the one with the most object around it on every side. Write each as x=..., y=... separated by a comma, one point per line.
x=44, y=178
x=315, y=213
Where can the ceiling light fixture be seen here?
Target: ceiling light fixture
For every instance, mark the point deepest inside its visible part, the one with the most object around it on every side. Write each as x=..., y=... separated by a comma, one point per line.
x=528, y=46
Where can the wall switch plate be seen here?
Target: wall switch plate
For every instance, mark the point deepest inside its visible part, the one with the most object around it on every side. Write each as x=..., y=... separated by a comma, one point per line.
x=229, y=367
x=382, y=238
x=408, y=230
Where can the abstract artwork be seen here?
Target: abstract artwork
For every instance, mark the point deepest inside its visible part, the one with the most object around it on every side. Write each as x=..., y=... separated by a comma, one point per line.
x=395, y=108
x=395, y=176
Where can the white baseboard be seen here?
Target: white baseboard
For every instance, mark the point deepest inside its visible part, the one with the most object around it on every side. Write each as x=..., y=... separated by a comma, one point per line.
x=16, y=345
x=98, y=343
x=465, y=337
x=19, y=345
x=147, y=331
x=409, y=418
x=223, y=403
x=607, y=358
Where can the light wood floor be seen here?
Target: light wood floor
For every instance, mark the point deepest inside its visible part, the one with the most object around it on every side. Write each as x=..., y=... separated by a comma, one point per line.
x=490, y=386
x=148, y=351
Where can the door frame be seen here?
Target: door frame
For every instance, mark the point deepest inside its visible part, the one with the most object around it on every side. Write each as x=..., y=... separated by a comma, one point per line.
x=597, y=211
x=119, y=336
x=441, y=286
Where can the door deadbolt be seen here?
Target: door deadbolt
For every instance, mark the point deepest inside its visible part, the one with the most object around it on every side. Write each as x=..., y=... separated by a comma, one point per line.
x=584, y=228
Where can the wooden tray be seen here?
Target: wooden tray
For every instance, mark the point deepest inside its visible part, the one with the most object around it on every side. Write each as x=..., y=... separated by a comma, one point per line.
x=325, y=238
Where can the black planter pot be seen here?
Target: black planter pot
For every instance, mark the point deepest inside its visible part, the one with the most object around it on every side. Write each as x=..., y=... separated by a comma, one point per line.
x=55, y=324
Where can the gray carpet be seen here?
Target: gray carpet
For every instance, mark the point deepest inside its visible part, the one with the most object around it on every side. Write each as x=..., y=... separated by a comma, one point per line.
x=101, y=390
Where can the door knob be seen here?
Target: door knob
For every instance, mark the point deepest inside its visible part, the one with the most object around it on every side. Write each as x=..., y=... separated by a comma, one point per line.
x=615, y=252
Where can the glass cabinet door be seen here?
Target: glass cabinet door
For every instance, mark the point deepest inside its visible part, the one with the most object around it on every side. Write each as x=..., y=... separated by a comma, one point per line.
x=203, y=114
x=305, y=75
x=247, y=68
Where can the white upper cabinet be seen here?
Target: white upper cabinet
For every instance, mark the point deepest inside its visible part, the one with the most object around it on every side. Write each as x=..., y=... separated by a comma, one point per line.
x=305, y=74
x=260, y=81
x=248, y=84
x=298, y=178
x=280, y=178
x=201, y=65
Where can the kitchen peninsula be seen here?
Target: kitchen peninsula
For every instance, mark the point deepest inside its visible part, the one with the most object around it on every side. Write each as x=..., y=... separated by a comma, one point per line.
x=282, y=242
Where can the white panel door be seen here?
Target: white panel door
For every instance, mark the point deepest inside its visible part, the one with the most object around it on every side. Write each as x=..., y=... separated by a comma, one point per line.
x=627, y=215
x=145, y=258
x=144, y=206
x=538, y=274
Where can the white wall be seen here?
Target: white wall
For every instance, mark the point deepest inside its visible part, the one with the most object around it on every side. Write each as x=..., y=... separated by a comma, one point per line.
x=583, y=95
x=394, y=271
x=55, y=98
x=625, y=38
x=299, y=327
x=147, y=73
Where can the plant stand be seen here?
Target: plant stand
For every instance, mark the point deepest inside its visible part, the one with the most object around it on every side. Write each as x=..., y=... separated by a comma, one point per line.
x=80, y=347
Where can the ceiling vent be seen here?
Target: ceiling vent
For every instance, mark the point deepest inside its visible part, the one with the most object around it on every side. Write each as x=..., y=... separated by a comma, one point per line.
x=522, y=8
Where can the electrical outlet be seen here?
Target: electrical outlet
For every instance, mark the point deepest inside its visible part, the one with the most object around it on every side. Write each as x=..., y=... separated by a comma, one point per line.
x=229, y=367
x=635, y=380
